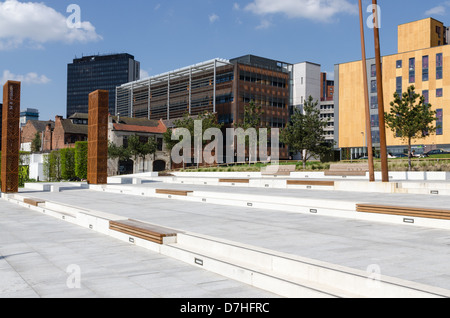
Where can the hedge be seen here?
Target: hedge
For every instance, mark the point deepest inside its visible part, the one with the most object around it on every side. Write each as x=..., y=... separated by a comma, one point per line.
x=67, y=163
x=81, y=152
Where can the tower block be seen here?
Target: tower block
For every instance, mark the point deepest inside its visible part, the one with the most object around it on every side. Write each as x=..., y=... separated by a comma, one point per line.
x=98, y=137
x=10, y=137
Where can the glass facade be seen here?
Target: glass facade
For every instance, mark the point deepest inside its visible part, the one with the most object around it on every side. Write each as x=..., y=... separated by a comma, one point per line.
x=412, y=70
x=91, y=73
x=439, y=65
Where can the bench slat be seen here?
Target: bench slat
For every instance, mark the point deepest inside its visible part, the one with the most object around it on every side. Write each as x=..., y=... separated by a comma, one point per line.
x=142, y=230
x=310, y=182
x=234, y=180
x=33, y=202
x=404, y=211
x=173, y=192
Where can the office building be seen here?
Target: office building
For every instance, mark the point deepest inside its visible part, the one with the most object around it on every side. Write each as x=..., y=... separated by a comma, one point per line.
x=223, y=87
x=27, y=115
x=90, y=73
x=420, y=61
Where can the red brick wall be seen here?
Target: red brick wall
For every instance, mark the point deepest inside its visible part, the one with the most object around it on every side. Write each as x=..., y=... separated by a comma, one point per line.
x=28, y=133
x=58, y=134
x=47, y=142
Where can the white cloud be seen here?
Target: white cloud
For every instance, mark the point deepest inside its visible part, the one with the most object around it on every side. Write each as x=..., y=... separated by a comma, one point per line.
x=33, y=24
x=320, y=10
x=439, y=10
x=265, y=24
x=157, y=7
x=236, y=6
x=213, y=18
x=29, y=78
x=144, y=74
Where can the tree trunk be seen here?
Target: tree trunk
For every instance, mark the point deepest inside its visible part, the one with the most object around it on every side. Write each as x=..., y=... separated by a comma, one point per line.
x=409, y=155
x=304, y=159
x=143, y=164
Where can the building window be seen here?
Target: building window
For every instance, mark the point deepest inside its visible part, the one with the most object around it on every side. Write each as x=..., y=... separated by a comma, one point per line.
x=439, y=122
x=373, y=86
x=399, y=64
x=438, y=31
x=412, y=70
x=373, y=70
x=374, y=102
x=374, y=120
x=425, y=68
x=439, y=92
x=426, y=96
x=399, y=86
x=439, y=64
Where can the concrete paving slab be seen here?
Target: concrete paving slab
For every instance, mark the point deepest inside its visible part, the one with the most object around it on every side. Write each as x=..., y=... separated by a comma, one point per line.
x=39, y=250
x=400, y=251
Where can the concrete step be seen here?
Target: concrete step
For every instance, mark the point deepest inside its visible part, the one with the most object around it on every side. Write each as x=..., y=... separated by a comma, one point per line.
x=290, y=275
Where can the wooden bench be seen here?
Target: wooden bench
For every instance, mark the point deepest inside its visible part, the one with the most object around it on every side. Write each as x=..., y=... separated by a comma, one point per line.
x=404, y=211
x=145, y=231
x=234, y=180
x=33, y=202
x=278, y=170
x=355, y=169
x=311, y=183
x=173, y=192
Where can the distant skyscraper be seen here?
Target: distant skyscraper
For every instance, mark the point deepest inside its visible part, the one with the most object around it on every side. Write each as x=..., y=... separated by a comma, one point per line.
x=90, y=73
x=28, y=114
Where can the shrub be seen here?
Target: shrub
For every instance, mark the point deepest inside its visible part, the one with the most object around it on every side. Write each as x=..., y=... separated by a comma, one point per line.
x=52, y=166
x=67, y=164
x=81, y=150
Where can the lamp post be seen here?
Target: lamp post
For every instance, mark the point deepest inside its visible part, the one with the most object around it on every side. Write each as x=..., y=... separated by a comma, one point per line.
x=366, y=99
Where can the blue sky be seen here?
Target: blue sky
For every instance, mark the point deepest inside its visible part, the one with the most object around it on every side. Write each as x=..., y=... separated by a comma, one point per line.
x=36, y=44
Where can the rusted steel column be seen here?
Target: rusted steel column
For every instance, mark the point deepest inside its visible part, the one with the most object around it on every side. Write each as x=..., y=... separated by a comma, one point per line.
x=10, y=137
x=98, y=137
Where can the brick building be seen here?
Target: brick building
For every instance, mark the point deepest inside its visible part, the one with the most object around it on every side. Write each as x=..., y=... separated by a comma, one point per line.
x=68, y=131
x=121, y=128
x=32, y=127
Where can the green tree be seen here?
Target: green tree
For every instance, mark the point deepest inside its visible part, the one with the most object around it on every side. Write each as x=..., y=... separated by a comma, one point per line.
x=252, y=119
x=410, y=118
x=118, y=152
x=209, y=120
x=306, y=132
x=36, y=143
x=138, y=149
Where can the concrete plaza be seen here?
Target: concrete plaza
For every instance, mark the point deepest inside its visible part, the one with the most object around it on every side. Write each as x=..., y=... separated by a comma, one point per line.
x=36, y=249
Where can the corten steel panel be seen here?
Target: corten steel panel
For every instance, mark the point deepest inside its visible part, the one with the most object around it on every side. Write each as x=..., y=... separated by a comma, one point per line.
x=98, y=137
x=10, y=137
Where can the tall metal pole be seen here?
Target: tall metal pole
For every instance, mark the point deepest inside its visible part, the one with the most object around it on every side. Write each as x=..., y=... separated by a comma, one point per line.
x=383, y=146
x=368, y=134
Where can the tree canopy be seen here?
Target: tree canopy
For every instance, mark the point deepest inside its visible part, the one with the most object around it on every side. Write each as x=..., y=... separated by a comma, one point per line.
x=306, y=132
x=410, y=118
